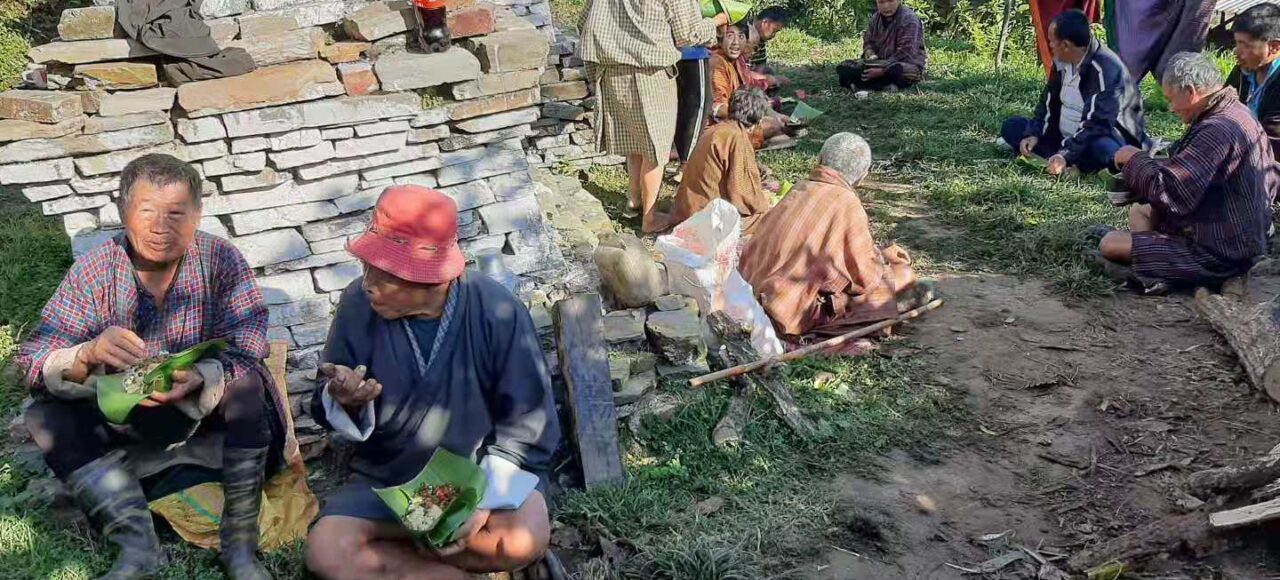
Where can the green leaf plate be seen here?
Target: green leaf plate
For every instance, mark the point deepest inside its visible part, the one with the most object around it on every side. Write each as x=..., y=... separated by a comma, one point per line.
x=444, y=468
x=117, y=404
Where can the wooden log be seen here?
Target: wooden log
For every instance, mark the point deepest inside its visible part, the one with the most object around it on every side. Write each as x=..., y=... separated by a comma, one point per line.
x=1267, y=492
x=1238, y=477
x=728, y=431
x=754, y=365
x=1245, y=313
x=736, y=341
x=584, y=363
x=1247, y=515
x=1190, y=532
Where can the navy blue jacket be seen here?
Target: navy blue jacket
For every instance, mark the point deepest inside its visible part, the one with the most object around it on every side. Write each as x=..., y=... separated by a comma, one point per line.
x=1112, y=104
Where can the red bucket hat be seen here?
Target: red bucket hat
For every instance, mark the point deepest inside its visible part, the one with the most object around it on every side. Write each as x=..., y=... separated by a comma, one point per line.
x=413, y=236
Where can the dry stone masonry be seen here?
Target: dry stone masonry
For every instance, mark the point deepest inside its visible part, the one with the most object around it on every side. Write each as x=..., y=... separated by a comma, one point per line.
x=295, y=153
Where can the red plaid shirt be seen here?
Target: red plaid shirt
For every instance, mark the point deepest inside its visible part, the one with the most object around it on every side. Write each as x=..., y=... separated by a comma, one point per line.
x=214, y=295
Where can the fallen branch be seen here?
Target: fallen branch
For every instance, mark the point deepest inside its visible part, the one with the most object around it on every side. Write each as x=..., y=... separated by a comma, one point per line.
x=1190, y=532
x=736, y=343
x=1245, y=314
x=1238, y=477
x=1243, y=516
x=728, y=431
x=743, y=369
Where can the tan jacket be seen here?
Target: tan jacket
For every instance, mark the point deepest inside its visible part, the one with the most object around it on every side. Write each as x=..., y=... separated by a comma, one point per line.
x=642, y=33
x=722, y=166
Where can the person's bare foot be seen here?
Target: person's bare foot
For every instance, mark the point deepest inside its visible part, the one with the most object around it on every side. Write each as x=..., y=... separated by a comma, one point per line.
x=655, y=223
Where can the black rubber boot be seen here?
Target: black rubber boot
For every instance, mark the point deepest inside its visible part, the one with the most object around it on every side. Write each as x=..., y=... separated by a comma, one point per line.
x=242, y=473
x=112, y=498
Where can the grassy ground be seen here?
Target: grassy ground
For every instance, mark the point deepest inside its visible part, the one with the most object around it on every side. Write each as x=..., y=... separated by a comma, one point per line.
x=776, y=503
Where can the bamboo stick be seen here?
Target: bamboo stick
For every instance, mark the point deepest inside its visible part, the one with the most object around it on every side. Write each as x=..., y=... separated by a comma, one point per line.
x=806, y=351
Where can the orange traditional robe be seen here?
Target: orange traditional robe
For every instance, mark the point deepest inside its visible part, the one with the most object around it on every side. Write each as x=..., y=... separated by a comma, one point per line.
x=814, y=266
x=726, y=77
x=723, y=166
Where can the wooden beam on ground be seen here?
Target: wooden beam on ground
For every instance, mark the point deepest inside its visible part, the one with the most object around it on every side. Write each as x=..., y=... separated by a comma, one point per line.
x=1250, y=514
x=584, y=362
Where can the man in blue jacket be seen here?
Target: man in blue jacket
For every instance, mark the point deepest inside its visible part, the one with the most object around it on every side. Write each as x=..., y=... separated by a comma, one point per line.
x=1089, y=110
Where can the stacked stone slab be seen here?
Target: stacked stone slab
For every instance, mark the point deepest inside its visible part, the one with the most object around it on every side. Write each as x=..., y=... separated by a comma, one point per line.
x=295, y=153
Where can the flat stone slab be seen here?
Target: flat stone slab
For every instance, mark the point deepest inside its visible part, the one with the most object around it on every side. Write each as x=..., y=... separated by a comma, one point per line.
x=624, y=326
x=37, y=149
x=323, y=113
x=282, y=84
x=118, y=75
x=14, y=130
x=677, y=336
x=40, y=106
x=129, y=102
x=91, y=23
x=284, y=46
x=83, y=51
x=408, y=70
x=635, y=387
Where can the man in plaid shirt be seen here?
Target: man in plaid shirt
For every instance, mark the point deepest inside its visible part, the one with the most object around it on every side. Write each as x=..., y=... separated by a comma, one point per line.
x=159, y=287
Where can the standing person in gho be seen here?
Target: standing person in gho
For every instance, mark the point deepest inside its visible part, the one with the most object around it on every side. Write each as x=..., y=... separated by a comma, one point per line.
x=630, y=50
x=161, y=286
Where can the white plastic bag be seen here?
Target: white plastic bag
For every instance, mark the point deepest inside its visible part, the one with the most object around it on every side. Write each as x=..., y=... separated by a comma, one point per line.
x=701, y=256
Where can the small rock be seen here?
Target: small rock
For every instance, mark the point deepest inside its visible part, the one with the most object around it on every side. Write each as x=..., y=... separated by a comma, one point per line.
x=635, y=387
x=624, y=326
x=628, y=272
x=709, y=506
x=619, y=370
x=677, y=337
x=670, y=302
x=643, y=362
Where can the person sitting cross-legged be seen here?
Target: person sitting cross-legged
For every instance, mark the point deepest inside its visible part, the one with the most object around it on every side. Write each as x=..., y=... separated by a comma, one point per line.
x=422, y=356
x=160, y=287
x=1090, y=109
x=812, y=262
x=893, y=52
x=723, y=165
x=1202, y=215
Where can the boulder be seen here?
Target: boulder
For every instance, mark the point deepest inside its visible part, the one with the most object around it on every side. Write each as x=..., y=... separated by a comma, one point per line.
x=628, y=273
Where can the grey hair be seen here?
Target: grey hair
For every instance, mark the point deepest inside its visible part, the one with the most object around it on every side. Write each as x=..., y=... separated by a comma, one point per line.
x=1188, y=70
x=748, y=106
x=848, y=154
x=159, y=170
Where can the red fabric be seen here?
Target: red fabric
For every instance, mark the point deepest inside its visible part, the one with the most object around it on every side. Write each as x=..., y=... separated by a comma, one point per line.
x=1044, y=11
x=413, y=236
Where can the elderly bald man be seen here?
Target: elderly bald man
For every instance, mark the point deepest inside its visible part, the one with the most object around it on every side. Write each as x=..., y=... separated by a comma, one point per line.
x=812, y=261
x=1202, y=215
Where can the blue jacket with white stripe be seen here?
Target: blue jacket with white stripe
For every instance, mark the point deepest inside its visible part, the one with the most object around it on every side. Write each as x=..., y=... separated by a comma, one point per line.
x=1112, y=104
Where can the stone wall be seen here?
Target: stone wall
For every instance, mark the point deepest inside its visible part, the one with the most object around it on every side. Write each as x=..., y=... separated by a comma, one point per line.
x=295, y=153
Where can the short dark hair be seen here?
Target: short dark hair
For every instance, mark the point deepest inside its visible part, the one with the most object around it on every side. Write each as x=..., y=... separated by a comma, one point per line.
x=1073, y=26
x=748, y=105
x=1262, y=22
x=160, y=170
x=775, y=13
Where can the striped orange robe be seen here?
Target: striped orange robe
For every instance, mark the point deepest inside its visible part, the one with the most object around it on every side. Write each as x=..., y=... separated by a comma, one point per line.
x=814, y=266
x=722, y=166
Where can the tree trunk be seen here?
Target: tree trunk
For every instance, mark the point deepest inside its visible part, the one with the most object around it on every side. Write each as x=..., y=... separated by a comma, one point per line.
x=1245, y=314
x=1004, y=32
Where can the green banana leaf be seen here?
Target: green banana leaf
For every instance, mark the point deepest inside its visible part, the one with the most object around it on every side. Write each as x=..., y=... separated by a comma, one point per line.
x=736, y=10
x=444, y=468
x=116, y=404
x=1033, y=162
x=804, y=113
x=785, y=188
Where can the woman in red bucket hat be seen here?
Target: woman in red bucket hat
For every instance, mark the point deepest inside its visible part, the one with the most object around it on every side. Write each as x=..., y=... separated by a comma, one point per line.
x=423, y=356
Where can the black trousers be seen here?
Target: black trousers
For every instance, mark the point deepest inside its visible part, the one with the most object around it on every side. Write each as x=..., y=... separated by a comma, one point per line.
x=73, y=433
x=693, y=104
x=850, y=73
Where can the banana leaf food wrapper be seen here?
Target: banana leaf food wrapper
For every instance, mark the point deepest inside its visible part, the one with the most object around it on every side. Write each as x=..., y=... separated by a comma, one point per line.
x=1033, y=162
x=119, y=393
x=435, y=504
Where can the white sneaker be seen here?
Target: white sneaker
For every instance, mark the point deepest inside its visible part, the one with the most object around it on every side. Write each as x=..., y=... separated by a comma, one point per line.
x=1000, y=142
x=861, y=95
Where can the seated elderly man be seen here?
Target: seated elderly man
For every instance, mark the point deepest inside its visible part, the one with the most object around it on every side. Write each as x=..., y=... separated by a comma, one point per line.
x=728, y=74
x=422, y=356
x=1090, y=109
x=1257, y=36
x=161, y=286
x=812, y=261
x=723, y=165
x=893, y=53
x=1202, y=215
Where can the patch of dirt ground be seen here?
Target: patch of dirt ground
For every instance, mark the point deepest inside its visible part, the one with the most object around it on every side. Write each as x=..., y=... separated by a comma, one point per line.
x=1086, y=418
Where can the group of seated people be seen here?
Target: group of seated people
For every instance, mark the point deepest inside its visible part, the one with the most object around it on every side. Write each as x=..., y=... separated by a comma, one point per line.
x=1202, y=211
x=420, y=356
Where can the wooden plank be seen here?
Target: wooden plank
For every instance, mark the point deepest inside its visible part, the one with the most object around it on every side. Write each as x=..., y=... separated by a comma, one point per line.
x=1250, y=514
x=584, y=362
